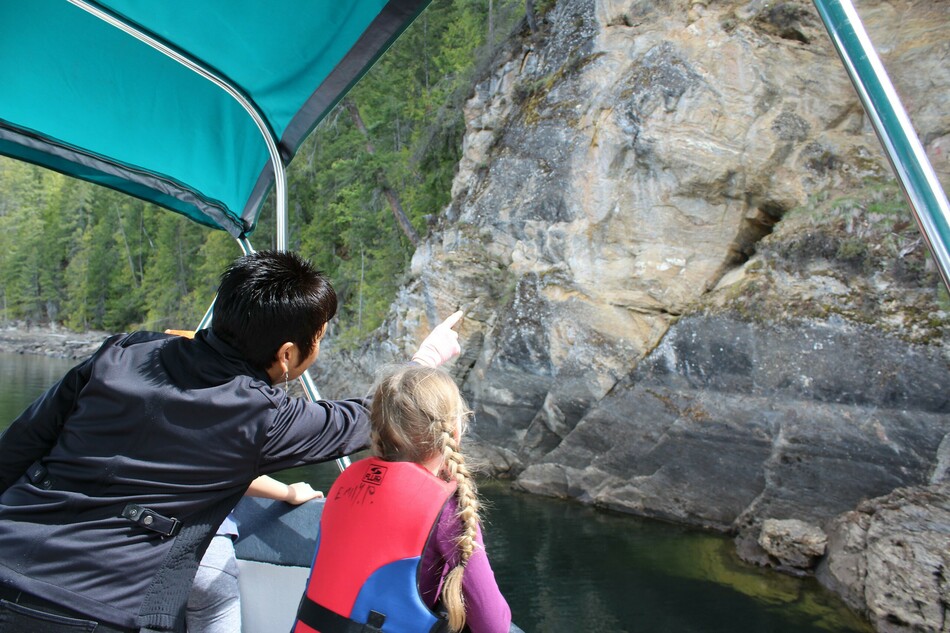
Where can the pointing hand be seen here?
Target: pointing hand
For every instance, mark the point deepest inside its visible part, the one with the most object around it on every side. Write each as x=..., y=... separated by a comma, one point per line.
x=441, y=345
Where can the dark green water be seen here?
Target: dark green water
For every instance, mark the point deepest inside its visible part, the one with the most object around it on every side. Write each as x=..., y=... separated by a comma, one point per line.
x=567, y=568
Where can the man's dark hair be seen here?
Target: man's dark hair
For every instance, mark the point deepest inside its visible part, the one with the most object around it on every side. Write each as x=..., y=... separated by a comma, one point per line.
x=268, y=298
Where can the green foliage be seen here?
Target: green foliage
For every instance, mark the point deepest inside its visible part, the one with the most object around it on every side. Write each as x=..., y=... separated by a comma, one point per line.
x=411, y=104
x=92, y=258
x=32, y=257
x=170, y=275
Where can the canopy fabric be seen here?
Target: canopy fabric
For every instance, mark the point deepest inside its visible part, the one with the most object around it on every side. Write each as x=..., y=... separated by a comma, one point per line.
x=82, y=97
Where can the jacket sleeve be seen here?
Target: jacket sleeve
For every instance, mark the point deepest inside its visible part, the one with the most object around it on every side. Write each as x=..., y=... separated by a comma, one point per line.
x=307, y=432
x=32, y=435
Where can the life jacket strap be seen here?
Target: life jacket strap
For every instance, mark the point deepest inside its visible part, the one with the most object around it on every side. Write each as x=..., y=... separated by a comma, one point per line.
x=318, y=617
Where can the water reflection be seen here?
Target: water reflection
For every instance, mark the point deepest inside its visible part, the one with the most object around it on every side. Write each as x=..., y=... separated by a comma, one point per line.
x=23, y=377
x=566, y=567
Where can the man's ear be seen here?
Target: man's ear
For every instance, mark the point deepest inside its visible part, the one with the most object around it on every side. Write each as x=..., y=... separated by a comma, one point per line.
x=284, y=359
x=285, y=354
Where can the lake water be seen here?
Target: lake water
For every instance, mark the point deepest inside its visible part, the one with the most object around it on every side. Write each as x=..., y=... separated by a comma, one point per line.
x=568, y=568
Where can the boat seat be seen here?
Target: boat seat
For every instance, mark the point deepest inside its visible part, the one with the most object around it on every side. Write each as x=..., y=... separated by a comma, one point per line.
x=274, y=553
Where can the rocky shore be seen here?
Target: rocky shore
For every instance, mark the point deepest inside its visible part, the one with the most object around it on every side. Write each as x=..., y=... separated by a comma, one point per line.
x=18, y=338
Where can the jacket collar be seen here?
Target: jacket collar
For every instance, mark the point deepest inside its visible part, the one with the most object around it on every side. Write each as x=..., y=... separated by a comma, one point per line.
x=231, y=355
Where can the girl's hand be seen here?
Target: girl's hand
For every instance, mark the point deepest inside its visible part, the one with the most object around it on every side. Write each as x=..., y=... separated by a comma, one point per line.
x=301, y=492
x=441, y=345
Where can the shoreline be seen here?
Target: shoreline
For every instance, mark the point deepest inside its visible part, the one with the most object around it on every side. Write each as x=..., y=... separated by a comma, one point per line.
x=43, y=340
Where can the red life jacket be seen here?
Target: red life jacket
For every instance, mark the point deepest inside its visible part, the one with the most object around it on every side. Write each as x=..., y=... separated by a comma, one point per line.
x=377, y=520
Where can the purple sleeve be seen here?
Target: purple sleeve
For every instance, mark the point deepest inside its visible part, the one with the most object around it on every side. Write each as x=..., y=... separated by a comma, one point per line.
x=486, y=609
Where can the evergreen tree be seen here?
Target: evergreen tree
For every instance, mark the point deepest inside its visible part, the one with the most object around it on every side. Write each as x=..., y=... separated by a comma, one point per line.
x=65, y=210
x=170, y=273
x=26, y=191
x=218, y=250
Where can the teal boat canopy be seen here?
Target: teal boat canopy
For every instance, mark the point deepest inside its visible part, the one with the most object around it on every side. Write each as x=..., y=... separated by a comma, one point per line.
x=90, y=100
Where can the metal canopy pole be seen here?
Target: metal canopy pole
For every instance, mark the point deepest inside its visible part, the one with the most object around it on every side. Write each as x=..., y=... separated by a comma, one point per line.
x=280, y=176
x=893, y=127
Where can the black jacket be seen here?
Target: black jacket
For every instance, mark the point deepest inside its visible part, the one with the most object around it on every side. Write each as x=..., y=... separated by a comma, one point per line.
x=178, y=426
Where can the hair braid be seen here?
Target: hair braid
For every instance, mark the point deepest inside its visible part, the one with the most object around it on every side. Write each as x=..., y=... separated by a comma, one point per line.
x=468, y=506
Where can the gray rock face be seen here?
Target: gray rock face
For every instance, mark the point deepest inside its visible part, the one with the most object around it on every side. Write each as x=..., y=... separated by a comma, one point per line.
x=728, y=421
x=690, y=290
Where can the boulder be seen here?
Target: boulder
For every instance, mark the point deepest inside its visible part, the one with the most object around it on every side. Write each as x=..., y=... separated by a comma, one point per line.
x=793, y=543
x=890, y=559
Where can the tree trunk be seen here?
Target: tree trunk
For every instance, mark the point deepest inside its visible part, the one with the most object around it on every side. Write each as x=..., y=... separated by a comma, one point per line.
x=402, y=220
x=491, y=26
x=530, y=16
x=128, y=249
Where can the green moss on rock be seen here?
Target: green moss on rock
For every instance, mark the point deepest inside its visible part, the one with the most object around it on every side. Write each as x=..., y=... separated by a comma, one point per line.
x=857, y=257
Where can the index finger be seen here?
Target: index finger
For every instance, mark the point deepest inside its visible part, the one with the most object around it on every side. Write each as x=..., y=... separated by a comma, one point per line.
x=453, y=319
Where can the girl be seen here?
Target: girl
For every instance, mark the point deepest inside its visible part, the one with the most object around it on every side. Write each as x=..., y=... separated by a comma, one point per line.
x=400, y=545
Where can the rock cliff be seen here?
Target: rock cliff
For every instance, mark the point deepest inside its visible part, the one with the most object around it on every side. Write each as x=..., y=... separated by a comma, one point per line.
x=692, y=289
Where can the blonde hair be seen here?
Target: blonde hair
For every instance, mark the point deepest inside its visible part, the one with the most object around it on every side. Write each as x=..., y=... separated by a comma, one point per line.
x=418, y=413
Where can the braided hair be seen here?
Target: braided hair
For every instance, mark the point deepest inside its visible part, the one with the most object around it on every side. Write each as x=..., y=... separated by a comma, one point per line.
x=417, y=415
